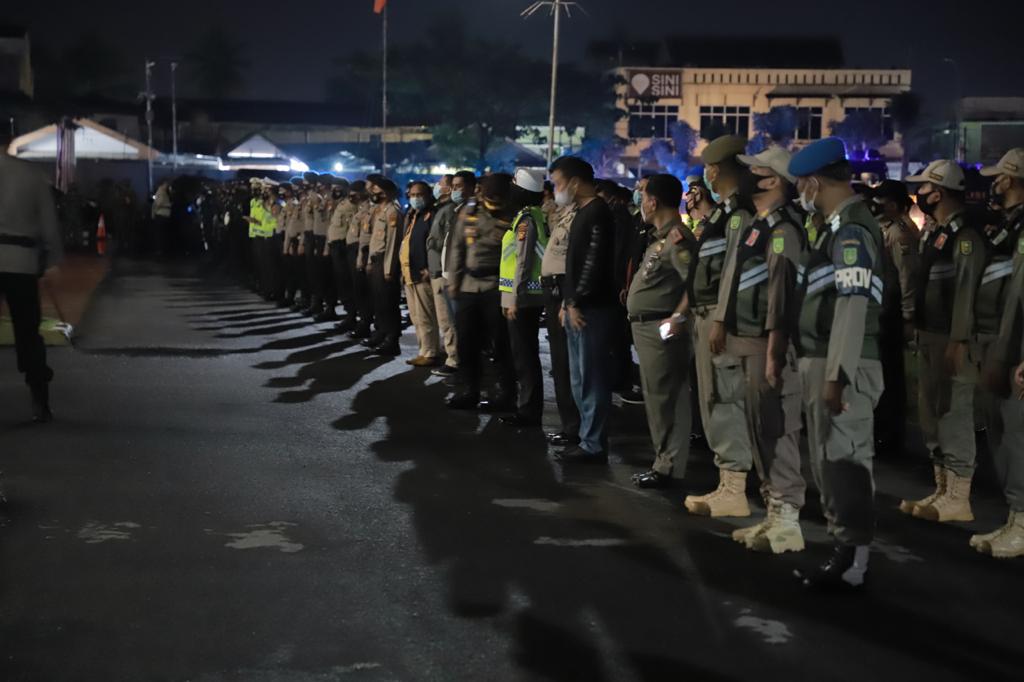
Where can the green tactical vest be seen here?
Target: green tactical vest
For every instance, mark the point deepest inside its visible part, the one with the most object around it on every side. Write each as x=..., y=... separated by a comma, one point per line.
x=507, y=269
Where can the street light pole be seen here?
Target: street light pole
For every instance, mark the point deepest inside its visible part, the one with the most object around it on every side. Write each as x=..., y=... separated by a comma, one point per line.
x=174, y=113
x=384, y=95
x=957, y=142
x=149, y=121
x=556, y=9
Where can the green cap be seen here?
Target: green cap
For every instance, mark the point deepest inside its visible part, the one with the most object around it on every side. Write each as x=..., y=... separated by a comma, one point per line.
x=722, y=148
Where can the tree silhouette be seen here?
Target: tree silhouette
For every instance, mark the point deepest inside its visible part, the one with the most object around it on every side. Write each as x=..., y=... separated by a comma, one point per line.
x=776, y=127
x=860, y=130
x=216, y=63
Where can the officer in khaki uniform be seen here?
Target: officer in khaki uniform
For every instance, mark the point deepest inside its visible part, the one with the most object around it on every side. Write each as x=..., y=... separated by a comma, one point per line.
x=892, y=203
x=655, y=307
x=383, y=269
x=719, y=372
x=841, y=279
x=1004, y=363
x=337, y=233
x=953, y=259
x=473, y=281
x=355, y=247
x=761, y=322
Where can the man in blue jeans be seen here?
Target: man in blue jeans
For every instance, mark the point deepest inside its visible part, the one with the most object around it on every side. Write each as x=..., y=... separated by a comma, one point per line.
x=590, y=305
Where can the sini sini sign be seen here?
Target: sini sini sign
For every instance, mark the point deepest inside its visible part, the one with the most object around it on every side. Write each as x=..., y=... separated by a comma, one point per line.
x=655, y=84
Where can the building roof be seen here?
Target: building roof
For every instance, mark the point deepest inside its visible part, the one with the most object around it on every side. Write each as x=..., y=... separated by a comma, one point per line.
x=841, y=91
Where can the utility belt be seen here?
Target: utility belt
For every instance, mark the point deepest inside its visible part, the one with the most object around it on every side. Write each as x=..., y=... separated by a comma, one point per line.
x=551, y=281
x=15, y=240
x=702, y=311
x=649, y=317
x=481, y=273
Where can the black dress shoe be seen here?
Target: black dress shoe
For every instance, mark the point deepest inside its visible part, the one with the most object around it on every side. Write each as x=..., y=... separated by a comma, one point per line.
x=652, y=479
x=372, y=341
x=299, y=306
x=499, y=403
x=577, y=455
x=41, y=413
x=841, y=573
x=463, y=401
x=347, y=325
x=391, y=350
x=284, y=303
x=327, y=315
x=562, y=439
x=360, y=332
x=632, y=397
x=519, y=421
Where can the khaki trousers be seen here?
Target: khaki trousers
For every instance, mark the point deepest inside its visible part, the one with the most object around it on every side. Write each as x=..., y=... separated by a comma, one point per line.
x=665, y=380
x=946, y=405
x=842, y=448
x=720, y=396
x=445, y=321
x=420, y=298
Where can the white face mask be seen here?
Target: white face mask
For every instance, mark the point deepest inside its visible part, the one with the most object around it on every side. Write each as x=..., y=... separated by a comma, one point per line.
x=562, y=198
x=807, y=203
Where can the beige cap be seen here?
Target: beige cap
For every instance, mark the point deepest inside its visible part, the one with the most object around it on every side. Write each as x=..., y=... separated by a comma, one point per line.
x=944, y=173
x=531, y=180
x=775, y=158
x=1011, y=164
x=722, y=148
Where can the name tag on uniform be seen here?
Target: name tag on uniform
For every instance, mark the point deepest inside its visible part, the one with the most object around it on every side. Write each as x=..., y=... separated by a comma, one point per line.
x=752, y=239
x=940, y=241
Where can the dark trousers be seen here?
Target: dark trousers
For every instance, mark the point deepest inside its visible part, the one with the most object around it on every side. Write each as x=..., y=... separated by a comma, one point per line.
x=387, y=299
x=625, y=372
x=323, y=272
x=525, y=345
x=275, y=260
x=314, y=291
x=568, y=413
x=891, y=412
x=363, y=302
x=22, y=295
x=478, y=320
x=342, y=276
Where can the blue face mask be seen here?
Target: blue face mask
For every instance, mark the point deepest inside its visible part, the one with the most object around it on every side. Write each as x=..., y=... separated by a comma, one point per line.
x=715, y=196
x=417, y=203
x=457, y=196
x=437, y=191
x=638, y=197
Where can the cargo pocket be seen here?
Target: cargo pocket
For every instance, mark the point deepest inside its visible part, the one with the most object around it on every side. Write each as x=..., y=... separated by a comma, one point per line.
x=729, y=382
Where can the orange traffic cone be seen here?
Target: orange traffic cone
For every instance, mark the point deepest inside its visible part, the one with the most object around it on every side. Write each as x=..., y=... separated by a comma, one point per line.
x=101, y=237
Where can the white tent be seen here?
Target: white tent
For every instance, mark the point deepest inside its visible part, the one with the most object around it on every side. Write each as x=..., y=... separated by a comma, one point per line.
x=258, y=153
x=91, y=141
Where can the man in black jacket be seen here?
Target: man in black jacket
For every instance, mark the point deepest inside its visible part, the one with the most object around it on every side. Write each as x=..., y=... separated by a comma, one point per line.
x=590, y=304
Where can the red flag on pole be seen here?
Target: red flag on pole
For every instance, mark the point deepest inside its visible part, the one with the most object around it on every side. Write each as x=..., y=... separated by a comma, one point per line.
x=378, y=6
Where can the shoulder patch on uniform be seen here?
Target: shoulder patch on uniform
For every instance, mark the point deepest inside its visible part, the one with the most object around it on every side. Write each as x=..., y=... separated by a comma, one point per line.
x=850, y=255
x=521, y=231
x=966, y=247
x=940, y=241
x=684, y=256
x=1020, y=246
x=677, y=235
x=778, y=243
x=735, y=222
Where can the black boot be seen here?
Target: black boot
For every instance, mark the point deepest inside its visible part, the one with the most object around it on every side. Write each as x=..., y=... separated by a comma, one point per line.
x=41, y=413
x=360, y=332
x=845, y=570
x=347, y=325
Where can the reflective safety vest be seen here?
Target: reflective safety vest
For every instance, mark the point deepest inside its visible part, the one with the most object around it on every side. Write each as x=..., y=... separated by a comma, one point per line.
x=510, y=248
x=269, y=224
x=256, y=212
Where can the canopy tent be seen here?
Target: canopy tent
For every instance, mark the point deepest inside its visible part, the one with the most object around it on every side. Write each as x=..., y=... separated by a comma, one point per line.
x=90, y=141
x=257, y=153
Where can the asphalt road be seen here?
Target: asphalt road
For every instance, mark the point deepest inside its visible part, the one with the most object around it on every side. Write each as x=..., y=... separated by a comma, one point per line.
x=233, y=493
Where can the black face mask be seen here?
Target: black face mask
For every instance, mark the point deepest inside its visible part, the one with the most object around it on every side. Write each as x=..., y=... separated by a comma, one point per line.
x=994, y=200
x=922, y=203
x=748, y=184
x=877, y=209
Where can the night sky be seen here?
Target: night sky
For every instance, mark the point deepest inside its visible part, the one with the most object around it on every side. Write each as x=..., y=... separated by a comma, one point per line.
x=299, y=40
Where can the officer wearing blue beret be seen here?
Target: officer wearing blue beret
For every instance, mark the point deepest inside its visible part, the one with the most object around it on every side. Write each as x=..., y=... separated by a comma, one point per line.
x=841, y=279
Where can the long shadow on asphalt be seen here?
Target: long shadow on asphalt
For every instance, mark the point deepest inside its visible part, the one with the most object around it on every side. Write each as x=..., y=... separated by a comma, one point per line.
x=543, y=578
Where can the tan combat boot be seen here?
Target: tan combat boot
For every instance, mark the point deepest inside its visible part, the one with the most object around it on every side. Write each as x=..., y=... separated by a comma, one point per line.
x=730, y=499
x=954, y=504
x=1010, y=542
x=745, y=535
x=782, y=533
x=908, y=506
x=983, y=542
x=692, y=501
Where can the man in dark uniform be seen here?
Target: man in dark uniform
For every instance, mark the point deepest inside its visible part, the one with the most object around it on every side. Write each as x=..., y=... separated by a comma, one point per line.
x=841, y=280
x=953, y=259
x=30, y=246
x=902, y=263
x=473, y=281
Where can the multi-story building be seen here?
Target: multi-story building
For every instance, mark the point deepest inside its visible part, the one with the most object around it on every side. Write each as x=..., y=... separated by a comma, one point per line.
x=727, y=98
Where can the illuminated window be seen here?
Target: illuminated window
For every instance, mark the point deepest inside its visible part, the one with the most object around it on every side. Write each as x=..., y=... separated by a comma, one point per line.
x=735, y=120
x=651, y=120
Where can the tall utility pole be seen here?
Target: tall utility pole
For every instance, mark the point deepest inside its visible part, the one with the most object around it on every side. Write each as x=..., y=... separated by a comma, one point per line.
x=384, y=94
x=957, y=104
x=556, y=7
x=149, y=120
x=174, y=113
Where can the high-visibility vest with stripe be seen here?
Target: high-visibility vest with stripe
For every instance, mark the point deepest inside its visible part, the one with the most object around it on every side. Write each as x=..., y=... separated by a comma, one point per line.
x=269, y=224
x=256, y=213
x=509, y=249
